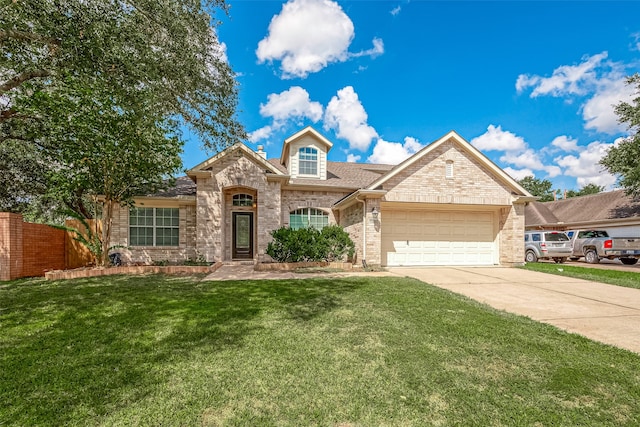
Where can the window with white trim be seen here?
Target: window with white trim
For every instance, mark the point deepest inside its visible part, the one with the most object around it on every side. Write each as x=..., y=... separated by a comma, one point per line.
x=308, y=161
x=154, y=227
x=308, y=217
x=448, y=170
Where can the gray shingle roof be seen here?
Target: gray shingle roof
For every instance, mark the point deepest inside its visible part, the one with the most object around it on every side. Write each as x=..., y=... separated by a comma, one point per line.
x=342, y=174
x=609, y=205
x=184, y=186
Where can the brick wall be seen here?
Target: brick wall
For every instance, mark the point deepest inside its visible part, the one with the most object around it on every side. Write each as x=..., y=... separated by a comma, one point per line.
x=29, y=249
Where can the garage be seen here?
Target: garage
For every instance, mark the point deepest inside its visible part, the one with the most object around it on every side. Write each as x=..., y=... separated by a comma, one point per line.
x=420, y=237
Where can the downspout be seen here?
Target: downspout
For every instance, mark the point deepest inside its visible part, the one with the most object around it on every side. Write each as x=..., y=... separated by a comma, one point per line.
x=364, y=231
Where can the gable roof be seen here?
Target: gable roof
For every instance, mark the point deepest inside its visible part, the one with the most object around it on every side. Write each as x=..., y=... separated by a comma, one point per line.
x=464, y=145
x=304, y=132
x=602, y=207
x=227, y=151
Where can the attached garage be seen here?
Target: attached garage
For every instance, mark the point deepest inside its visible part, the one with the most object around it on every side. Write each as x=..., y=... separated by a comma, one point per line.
x=423, y=237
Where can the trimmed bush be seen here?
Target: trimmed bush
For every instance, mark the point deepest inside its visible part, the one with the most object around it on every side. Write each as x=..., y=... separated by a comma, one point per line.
x=309, y=244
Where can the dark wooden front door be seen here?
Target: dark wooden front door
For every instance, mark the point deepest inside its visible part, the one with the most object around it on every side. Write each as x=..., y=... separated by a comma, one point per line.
x=242, y=246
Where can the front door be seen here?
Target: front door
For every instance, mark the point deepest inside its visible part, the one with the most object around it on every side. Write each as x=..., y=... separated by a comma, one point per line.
x=242, y=235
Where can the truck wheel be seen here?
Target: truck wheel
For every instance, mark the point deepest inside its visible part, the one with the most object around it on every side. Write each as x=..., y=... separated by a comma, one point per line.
x=530, y=256
x=629, y=261
x=560, y=260
x=591, y=257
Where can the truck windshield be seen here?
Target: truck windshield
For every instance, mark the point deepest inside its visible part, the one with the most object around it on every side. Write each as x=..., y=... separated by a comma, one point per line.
x=556, y=237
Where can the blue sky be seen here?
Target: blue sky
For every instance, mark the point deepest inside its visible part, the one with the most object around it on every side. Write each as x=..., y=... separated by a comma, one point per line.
x=530, y=84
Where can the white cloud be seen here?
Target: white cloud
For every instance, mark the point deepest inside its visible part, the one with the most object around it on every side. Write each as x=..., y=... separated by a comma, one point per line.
x=346, y=115
x=308, y=35
x=566, y=79
x=525, y=159
x=565, y=143
x=598, y=112
x=394, y=152
x=552, y=171
x=585, y=166
x=351, y=158
x=396, y=10
x=518, y=174
x=495, y=139
x=260, y=134
x=292, y=103
x=600, y=82
x=376, y=50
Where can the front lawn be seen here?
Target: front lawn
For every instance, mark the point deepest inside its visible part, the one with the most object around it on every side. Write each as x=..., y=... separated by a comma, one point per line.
x=627, y=279
x=328, y=352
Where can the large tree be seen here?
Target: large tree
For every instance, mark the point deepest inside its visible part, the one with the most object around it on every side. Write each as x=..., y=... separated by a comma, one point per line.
x=623, y=160
x=538, y=187
x=94, y=94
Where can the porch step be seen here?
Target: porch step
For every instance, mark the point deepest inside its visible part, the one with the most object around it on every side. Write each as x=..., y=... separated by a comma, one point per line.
x=243, y=262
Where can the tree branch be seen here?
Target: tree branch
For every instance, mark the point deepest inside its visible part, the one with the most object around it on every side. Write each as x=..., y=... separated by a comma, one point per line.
x=25, y=36
x=21, y=78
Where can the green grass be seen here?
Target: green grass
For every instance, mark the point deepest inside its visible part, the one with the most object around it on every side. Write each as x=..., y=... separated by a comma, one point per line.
x=627, y=279
x=326, y=352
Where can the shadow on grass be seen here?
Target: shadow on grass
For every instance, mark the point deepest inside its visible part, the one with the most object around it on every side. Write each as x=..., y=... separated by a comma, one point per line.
x=83, y=348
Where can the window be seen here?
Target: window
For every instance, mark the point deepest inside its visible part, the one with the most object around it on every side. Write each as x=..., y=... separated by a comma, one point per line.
x=154, y=227
x=308, y=161
x=242, y=200
x=308, y=217
x=448, y=171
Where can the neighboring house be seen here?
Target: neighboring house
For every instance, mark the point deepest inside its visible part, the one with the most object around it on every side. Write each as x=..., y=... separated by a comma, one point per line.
x=613, y=211
x=445, y=205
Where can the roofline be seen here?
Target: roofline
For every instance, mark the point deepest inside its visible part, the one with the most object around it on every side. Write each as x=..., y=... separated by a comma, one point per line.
x=300, y=134
x=484, y=160
x=238, y=145
x=350, y=199
x=584, y=224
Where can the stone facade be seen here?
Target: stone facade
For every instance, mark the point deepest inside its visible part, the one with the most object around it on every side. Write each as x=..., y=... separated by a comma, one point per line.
x=449, y=176
x=470, y=184
x=185, y=250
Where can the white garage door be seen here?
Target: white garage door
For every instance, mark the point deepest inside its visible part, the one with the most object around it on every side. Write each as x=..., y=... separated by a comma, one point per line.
x=420, y=237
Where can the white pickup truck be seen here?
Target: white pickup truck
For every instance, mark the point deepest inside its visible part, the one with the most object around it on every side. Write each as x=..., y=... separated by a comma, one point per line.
x=595, y=245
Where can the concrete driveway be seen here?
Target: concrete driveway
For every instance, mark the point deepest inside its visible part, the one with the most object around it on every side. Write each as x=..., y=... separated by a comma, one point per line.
x=601, y=312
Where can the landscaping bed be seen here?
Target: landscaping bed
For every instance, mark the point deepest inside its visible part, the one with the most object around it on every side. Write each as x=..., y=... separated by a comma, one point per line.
x=80, y=273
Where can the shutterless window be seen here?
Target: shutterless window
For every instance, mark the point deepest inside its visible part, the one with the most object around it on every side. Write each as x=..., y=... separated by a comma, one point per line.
x=448, y=169
x=308, y=161
x=308, y=217
x=242, y=200
x=154, y=227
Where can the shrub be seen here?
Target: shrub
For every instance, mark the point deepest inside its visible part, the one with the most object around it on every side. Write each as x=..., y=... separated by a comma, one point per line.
x=338, y=243
x=309, y=244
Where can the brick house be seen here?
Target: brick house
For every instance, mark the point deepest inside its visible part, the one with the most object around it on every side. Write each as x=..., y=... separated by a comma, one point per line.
x=446, y=205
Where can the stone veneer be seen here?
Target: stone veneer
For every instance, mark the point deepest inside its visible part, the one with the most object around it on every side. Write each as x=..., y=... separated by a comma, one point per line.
x=206, y=227
x=471, y=184
x=185, y=250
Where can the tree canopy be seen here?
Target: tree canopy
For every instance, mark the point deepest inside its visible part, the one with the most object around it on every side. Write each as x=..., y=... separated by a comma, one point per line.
x=623, y=160
x=538, y=187
x=94, y=95
x=77, y=76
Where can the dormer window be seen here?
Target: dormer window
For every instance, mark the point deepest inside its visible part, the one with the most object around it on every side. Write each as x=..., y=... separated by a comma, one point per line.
x=308, y=161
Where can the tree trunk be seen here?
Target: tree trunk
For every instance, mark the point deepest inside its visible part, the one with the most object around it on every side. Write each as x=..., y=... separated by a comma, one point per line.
x=107, y=216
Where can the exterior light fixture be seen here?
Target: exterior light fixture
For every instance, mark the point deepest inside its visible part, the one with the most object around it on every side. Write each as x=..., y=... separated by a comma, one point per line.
x=374, y=213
